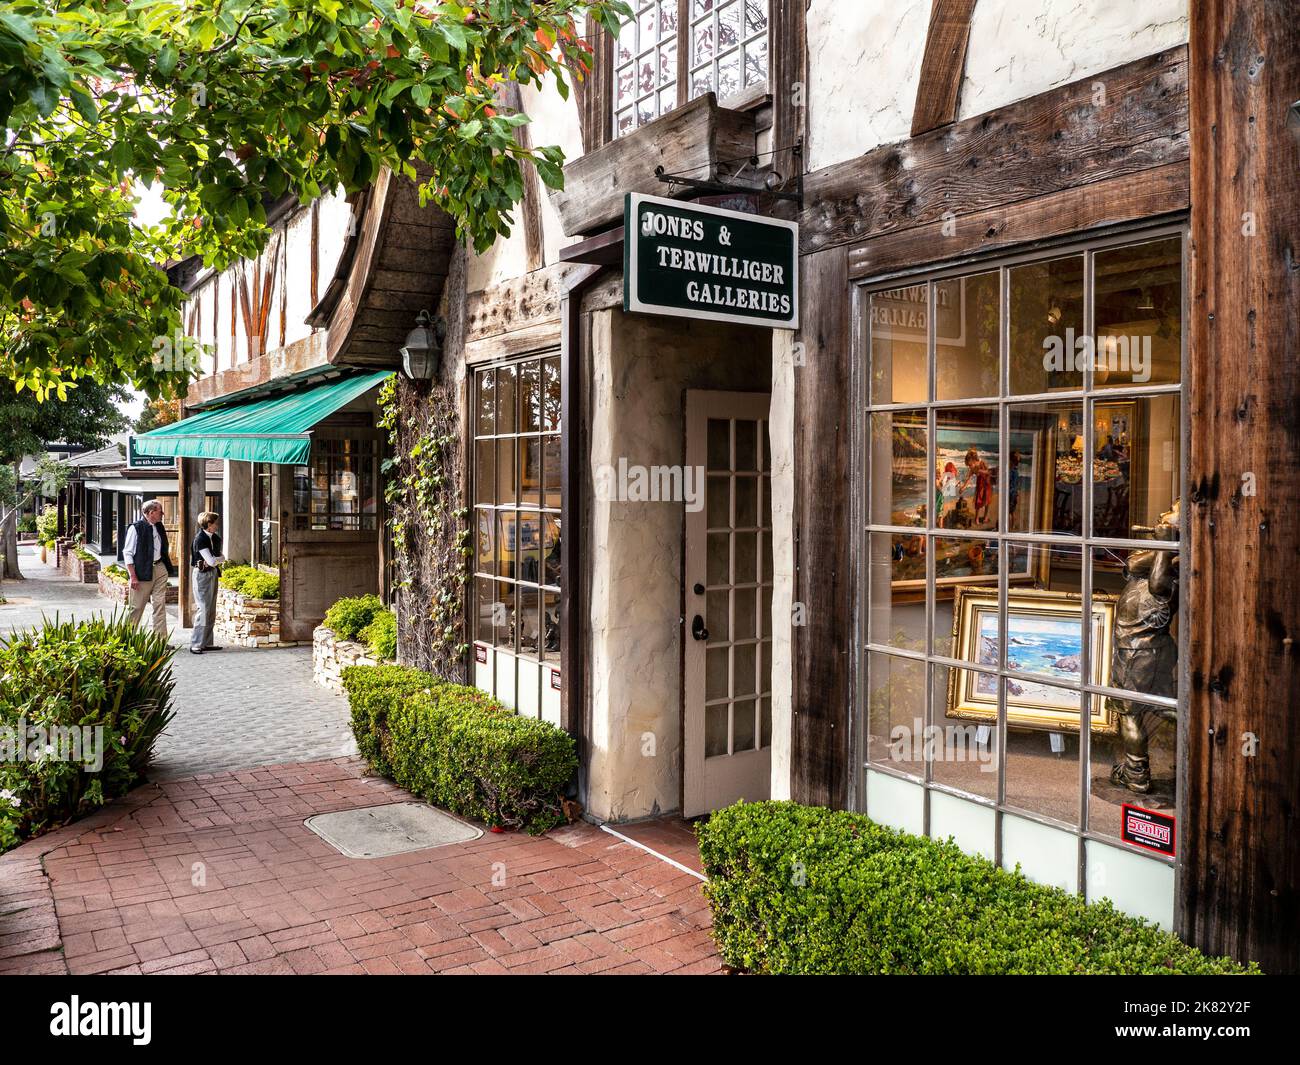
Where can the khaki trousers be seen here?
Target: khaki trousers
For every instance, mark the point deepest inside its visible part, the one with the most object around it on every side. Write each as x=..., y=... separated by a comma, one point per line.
x=155, y=592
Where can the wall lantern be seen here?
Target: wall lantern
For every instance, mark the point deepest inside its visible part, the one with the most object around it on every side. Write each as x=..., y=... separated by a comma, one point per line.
x=423, y=348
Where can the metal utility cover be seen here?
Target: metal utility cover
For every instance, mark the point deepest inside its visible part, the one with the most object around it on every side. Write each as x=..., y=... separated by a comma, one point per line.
x=396, y=828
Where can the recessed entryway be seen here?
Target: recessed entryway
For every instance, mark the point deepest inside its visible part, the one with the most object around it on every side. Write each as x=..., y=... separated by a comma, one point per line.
x=395, y=828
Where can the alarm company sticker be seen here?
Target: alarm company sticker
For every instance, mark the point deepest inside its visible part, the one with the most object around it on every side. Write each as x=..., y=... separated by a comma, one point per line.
x=1147, y=828
x=480, y=654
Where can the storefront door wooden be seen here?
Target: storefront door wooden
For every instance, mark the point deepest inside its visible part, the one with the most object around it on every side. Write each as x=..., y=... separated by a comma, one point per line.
x=728, y=602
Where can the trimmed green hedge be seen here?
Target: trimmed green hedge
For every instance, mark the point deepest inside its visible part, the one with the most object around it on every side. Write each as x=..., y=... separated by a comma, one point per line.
x=460, y=749
x=348, y=617
x=802, y=889
x=250, y=581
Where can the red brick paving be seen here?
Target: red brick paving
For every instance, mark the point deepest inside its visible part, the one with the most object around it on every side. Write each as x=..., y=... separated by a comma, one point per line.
x=218, y=873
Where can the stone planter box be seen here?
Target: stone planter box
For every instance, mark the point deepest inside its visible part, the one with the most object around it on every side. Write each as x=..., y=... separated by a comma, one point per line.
x=120, y=592
x=330, y=656
x=243, y=621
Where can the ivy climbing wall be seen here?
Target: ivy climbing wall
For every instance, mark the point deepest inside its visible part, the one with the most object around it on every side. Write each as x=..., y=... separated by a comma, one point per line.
x=429, y=522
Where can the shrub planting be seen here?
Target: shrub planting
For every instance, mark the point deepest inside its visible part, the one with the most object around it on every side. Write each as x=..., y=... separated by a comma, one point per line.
x=380, y=636
x=458, y=748
x=81, y=706
x=348, y=617
x=802, y=889
x=251, y=581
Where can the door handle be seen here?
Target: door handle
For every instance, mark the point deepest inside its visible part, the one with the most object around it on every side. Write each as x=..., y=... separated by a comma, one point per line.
x=698, y=630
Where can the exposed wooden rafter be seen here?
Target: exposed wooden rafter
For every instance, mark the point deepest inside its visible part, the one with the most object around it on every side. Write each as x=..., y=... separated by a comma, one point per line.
x=938, y=93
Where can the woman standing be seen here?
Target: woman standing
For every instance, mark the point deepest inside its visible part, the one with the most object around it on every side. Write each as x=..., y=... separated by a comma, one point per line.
x=206, y=558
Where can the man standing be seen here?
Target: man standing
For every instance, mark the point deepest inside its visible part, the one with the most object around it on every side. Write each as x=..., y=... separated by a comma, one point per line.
x=149, y=563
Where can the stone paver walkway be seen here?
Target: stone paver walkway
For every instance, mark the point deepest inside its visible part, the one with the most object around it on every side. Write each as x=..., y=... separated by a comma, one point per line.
x=218, y=873
x=235, y=709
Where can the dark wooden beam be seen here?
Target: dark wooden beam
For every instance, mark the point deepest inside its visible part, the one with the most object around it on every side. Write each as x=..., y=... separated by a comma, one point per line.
x=191, y=500
x=823, y=647
x=1133, y=197
x=789, y=52
x=530, y=208
x=1064, y=138
x=938, y=93
x=1241, y=862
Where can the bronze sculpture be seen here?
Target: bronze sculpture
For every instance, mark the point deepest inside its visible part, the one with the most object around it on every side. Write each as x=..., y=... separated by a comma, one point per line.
x=1145, y=654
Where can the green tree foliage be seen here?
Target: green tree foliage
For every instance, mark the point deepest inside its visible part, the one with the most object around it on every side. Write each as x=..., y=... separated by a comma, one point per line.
x=89, y=417
x=229, y=105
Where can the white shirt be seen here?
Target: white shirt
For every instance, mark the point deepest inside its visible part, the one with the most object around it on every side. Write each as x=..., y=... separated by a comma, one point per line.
x=130, y=545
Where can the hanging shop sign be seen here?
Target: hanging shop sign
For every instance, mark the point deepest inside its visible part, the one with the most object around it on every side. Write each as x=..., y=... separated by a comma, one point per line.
x=135, y=460
x=687, y=260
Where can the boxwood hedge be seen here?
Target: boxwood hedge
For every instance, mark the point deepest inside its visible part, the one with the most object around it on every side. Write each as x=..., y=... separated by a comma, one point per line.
x=800, y=889
x=458, y=748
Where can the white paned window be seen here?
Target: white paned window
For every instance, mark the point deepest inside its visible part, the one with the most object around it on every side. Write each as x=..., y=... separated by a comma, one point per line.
x=725, y=40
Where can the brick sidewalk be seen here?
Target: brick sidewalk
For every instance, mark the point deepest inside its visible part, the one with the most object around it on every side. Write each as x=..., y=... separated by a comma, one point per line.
x=117, y=893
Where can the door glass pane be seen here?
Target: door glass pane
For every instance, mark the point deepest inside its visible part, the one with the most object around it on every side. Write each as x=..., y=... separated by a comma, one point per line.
x=895, y=709
x=1045, y=467
x=967, y=469
x=1137, y=466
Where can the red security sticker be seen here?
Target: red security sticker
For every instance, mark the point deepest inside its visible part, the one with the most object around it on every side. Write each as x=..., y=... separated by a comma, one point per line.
x=1147, y=828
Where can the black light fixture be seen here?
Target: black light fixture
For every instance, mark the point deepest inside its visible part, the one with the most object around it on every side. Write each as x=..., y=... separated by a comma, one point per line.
x=423, y=348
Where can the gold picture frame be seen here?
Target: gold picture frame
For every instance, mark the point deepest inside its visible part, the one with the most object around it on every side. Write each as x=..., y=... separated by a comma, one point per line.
x=1039, y=626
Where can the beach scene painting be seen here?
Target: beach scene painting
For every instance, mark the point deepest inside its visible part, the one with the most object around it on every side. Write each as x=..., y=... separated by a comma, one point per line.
x=1044, y=637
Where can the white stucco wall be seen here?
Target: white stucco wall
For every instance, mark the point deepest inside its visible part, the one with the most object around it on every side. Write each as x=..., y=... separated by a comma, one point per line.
x=1019, y=49
x=864, y=59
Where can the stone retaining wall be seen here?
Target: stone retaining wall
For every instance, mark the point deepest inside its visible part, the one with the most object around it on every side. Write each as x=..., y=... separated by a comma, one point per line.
x=330, y=656
x=243, y=621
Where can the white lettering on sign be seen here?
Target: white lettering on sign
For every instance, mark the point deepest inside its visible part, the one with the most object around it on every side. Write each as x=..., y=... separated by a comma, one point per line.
x=654, y=224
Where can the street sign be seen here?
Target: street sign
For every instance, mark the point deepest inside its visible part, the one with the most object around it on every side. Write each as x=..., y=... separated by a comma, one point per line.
x=135, y=460
x=687, y=260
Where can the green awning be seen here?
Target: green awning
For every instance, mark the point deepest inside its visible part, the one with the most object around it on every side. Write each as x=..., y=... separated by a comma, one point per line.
x=264, y=430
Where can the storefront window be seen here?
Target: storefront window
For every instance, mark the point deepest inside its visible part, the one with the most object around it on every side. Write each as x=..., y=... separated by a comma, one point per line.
x=1024, y=473
x=517, y=484
x=338, y=490
x=727, y=45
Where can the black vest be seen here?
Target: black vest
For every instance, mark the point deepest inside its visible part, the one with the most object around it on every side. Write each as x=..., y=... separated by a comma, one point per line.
x=144, y=549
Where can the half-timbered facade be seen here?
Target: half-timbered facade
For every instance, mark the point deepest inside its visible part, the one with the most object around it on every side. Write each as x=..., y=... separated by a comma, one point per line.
x=998, y=544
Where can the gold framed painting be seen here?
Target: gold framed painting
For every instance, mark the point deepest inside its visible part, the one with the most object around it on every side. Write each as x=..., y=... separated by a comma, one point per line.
x=1044, y=638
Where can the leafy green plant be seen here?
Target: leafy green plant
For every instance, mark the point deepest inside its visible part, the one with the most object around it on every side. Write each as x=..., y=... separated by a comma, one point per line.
x=251, y=582
x=380, y=636
x=97, y=99
x=84, y=555
x=27, y=523
x=348, y=617
x=117, y=572
x=802, y=889
x=47, y=524
x=104, y=675
x=460, y=749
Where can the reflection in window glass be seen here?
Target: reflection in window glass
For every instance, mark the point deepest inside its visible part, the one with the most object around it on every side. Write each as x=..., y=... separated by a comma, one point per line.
x=1012, y=614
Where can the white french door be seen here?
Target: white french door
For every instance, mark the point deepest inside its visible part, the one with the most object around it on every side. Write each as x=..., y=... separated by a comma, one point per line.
x=727, y=748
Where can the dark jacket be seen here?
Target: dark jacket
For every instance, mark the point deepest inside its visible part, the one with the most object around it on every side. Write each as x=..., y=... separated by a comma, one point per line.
x=212, y=541
x=144, y=550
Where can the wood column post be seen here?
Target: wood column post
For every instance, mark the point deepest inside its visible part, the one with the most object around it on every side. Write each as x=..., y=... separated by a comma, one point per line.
x=190, y=502
x=1240, y=885
x=822, y=688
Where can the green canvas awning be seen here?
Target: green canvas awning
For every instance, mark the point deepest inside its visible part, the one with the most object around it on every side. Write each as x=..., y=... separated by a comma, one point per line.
x=264, y=430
